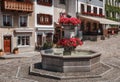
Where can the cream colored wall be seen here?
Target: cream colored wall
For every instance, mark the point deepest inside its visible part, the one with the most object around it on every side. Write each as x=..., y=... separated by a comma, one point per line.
x=57, y=9
x=10, y=31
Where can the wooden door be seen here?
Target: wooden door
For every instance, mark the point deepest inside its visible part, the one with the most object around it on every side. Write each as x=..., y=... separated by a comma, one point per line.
x=39, y=40
x=7, y=44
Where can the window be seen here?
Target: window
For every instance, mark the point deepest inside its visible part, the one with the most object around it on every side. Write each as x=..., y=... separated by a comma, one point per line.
x=100, y=11
x=88, y=8
x=23, y=21
x=49, y=37
x=23, y=40
x=62, y=1
x=20, y=0
x=45, y=2
x=100, y=0
x=95, y=10
x=7, y=20
x=23, y=0
x=44, y=19
x=82, y=8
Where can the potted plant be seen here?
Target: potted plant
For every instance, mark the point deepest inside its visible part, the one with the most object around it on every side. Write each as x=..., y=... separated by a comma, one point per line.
x=69, y=45
x=1, y=52
x=16, y=50
x=47, y=45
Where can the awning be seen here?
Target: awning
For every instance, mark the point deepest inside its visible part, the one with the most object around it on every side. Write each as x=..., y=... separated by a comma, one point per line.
x=45, y=29
x=24, y=30
x=101, y=20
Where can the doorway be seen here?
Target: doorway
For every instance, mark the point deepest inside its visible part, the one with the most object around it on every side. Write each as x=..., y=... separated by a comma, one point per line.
x=7, y=44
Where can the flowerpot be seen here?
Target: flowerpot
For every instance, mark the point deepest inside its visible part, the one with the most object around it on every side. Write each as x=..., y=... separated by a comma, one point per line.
x=1, y=53
x=16, y=52
x=66, y=52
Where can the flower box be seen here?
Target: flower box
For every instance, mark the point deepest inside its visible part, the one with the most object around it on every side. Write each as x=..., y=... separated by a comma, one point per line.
x=69, y=21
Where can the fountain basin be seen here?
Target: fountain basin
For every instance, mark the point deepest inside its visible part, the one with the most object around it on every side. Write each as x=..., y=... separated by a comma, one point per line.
x=70, y=63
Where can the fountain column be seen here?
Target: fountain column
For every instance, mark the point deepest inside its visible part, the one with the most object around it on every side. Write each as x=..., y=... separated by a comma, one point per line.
x=69, y=31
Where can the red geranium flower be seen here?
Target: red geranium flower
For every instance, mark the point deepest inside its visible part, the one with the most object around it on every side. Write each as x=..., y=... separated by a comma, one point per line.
x=72, y=20
x=72, y=42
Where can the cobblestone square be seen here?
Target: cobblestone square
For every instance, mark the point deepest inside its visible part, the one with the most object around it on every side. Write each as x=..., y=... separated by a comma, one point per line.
x=17, y=69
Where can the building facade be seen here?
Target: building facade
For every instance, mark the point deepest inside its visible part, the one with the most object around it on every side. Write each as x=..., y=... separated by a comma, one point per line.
x=44, y=17
x=59, y=9
x=92, y=16
x=16, y=25
x=88, y=9
x=112, y=8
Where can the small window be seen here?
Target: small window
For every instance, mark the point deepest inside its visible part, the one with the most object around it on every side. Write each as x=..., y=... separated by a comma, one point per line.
x=100, y=11
x=20, y=0
x=62, y=1
x=44, y=19
x=23, y=21
x=88, y=8
x=82, y=8
x=45, y=2
x=23, y=40
x=95, y=10
x=101, y=0
x=7, y=20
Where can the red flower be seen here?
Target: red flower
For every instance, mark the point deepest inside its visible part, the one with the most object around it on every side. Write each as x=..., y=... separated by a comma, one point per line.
x=72, y=20
x=72, y=42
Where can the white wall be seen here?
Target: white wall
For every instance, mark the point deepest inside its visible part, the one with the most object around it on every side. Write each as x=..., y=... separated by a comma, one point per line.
x=71, y=7
x=93, y=3
x=45, y=10
x=58, y=8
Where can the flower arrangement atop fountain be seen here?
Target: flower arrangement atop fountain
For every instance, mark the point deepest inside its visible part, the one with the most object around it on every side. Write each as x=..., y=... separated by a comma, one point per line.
x=71, y=21
x=69, y=44
x=72, y=42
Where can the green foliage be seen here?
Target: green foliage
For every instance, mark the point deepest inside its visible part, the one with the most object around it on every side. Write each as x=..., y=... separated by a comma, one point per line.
x=112, y=9
x=16, y=48
x=48, y=45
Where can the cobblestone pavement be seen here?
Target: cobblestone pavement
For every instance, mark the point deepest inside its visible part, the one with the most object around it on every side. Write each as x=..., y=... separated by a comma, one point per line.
x=17, y=70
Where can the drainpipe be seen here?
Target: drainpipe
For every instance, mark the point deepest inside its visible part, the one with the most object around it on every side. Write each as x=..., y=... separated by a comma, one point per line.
x=77, y=9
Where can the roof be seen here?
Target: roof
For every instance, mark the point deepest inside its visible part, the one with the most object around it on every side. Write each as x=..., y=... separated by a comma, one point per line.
x=101, y=20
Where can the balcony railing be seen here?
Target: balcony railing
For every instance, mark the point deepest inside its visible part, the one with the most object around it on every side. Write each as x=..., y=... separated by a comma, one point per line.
x=17, y=6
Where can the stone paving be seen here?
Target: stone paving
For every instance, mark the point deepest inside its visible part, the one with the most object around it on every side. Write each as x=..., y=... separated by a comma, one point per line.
x=17, y=70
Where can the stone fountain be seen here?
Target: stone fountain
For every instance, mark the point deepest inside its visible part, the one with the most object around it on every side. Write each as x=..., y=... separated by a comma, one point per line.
x=78, y=61
x=78, y=64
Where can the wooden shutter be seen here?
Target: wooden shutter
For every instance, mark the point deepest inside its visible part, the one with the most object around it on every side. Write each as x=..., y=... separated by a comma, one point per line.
x=27, y=0
x=38, y=18
x=50, y=2
x=50, y=19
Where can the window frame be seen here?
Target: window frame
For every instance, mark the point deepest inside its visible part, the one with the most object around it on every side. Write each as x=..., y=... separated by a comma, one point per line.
x=82, y=8
x=25, y=40
x=88, y=8
x=101, y=0
x=6, y=17
x=62, y=2
x=100, y=11
x=43, y=2
x=23, y=20
x=47, y=19
x=95, y=10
